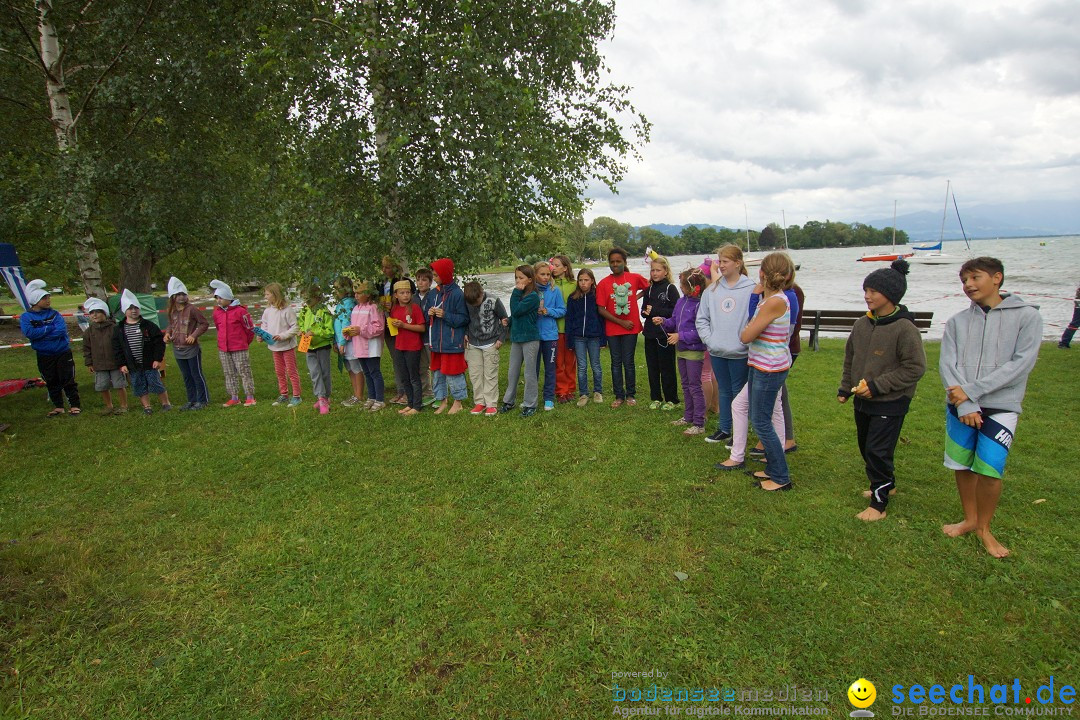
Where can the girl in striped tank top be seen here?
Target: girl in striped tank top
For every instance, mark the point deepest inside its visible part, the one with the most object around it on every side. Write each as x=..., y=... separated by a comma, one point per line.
x=769, y=359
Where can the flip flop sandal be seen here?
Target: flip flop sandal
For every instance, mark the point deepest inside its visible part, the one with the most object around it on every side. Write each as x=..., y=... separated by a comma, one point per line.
x=75, y=411
x=54, y=412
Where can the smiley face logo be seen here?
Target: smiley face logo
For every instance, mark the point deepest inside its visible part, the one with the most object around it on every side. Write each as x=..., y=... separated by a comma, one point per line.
x=862, y=693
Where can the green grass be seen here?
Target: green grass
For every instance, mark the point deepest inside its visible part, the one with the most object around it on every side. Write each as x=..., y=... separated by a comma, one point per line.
x=269, y=563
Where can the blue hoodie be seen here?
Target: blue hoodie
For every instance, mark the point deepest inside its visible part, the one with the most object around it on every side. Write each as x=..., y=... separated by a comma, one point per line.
x=582, y=318
x=548, y=325
x=447, y=333
x=46, y=331
x=342, y=318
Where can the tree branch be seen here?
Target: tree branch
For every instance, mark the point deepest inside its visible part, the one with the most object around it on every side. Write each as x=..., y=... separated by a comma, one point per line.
x=129, y=133
x=107, y=70
x=37, y=49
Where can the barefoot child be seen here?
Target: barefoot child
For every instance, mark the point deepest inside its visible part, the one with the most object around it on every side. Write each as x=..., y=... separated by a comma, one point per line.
x=99, y=358
x=987, y=353
x=139, y=349
x=883, y=361
x=47, y=332
x=449, y=320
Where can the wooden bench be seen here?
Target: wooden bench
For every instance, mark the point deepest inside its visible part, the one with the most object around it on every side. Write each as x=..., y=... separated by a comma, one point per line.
x=819, y=321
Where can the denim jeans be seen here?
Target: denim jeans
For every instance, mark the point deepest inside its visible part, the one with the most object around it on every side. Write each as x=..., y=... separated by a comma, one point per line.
x=764, y=387
x=588, y=353
x=623, y=348
x=373, y=374
x=730, y=375
x=459, y=389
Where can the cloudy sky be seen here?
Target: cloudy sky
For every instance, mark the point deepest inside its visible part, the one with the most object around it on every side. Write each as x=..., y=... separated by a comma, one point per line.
x=831, y=109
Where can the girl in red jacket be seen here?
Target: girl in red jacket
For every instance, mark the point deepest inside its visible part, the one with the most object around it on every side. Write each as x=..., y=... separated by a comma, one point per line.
x=235, y=331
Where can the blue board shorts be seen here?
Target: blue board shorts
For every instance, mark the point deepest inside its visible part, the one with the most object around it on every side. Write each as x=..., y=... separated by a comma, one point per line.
x=146, y=381
x=980, y=450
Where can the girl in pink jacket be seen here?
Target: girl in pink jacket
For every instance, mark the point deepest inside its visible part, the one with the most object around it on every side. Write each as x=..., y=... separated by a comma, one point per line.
x=235, y=331
x=365, y=334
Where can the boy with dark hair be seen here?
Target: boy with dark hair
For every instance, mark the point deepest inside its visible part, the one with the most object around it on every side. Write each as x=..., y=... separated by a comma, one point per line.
x=426, y=299
x=987, y=353
x=99, y=358
x=139, y=349
x=484, y=338
x=883, y=361
x=47, y=332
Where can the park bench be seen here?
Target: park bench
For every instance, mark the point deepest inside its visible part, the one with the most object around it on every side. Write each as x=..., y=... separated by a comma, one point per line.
x=819, y=321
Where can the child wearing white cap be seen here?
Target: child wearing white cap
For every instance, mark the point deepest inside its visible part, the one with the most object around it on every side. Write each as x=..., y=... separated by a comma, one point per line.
x=186, y=324
x=99, y=358
x=47, y=332
x=139, y=348
x=235, y=331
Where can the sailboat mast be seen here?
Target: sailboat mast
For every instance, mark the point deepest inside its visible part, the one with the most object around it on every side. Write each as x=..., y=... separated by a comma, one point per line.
x=948, y=185
x=746, y=218
x=894, y=226
x=784, y=216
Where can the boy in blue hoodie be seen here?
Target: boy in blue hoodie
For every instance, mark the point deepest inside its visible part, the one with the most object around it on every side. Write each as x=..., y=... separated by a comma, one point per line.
x=47, y=332
x=987, y=353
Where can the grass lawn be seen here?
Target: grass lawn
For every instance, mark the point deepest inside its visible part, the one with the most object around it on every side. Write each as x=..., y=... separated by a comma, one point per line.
x=269, y=563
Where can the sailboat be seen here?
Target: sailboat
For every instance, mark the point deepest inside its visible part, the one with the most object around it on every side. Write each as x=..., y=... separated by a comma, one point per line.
x=933, y=254
x=749, y=261
x=889, y=256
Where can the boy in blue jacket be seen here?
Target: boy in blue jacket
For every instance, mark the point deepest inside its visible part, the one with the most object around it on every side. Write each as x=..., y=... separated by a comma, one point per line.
x=552, y=307
x=449, y=321
x=47, y=332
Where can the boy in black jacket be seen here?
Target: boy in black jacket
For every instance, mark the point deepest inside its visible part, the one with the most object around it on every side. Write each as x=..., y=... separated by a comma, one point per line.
x=139, y=348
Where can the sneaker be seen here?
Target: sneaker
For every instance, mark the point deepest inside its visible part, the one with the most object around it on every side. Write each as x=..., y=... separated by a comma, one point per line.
x=506, y=407
x=654, y=405
x=1062, y=346
x=147, y=411
x=120, y=411
x=597, y=397
x=281, y=400
x=668, y=406
x=549, y=405
x=377, y=406
x=200, y=406
x=185, y=407
x=718, y=436
x=583, y=401
x=367, y=404
x=351, y=400
x=694, y=430
x=477, y=409
x=295, y=401
x=166, y=408
x=528, y=411
x=250, y=402
x=681, y=421
x=491, y=412
x=231, y=403
x=324, y=406
x=107, y=411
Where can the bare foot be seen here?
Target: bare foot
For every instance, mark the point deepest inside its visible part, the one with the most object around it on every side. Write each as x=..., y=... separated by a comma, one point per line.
x=871, y=515
x=455, y=408
x=410, y=411
x=403, y=410
x=439, y=410
x=992, y=546
x=958, y=529
x=867, y=493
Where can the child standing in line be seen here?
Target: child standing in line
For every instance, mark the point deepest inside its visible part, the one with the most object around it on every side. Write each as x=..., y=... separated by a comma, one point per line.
x=585, y=328
x=317, y=332
x=682, y=334
x=186, y=324
x=47, y=332
x=408, y=318
x=487, y=328
x=721, y=318
x=344, y=302
x=449, y=320
x=562, y=277
x=524, y=341
x=551, y=309
x=235, y=331
x=279, y=321
x=139, y=349
x=657, y=305
x=883, y=361
x=987, y=353
x=365, y=331
x=769, y=358
x=616, y=299
x=99, y=358
x=426, y=298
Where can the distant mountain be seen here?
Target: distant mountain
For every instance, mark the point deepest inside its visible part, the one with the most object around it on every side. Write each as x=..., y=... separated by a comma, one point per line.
x=1026, y=219
x=673, y=230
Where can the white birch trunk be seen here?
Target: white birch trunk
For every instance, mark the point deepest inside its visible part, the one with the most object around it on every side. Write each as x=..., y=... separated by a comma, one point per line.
x=64, y=125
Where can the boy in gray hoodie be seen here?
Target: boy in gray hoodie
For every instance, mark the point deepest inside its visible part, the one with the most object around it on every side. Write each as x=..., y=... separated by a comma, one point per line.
x=987, y=353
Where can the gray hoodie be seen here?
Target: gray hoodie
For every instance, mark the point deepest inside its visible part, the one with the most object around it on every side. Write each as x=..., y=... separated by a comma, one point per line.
x=990, y=354
x=722, y=315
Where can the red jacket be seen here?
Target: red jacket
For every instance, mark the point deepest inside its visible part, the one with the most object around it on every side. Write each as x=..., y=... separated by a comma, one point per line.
x=235, y=331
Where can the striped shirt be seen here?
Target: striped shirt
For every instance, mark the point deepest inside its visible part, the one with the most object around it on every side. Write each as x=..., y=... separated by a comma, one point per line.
x=133, y=333
x=769, y=351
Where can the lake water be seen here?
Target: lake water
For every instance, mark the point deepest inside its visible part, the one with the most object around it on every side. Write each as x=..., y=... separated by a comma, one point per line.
x=1043, y=274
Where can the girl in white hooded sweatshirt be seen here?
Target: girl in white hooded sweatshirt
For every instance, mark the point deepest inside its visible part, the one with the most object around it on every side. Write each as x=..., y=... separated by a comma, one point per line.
x=722, y=315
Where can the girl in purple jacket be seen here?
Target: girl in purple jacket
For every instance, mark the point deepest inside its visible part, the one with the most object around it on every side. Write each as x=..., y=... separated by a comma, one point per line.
x=681, y=328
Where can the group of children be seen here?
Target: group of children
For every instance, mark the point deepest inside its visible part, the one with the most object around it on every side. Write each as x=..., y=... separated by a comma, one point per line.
x=718, y=327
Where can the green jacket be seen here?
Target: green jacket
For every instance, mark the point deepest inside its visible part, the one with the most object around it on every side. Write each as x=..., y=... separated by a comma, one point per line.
x=320, y=323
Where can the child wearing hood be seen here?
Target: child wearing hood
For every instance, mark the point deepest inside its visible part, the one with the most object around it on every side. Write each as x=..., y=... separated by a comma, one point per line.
x=186, y=324
x=139, y=348
x=99, y=358
x=235, y=331
x=449, y=322
x=883, y=361
x=987, y=354
x=344, y=297
x=47, y=332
